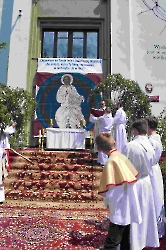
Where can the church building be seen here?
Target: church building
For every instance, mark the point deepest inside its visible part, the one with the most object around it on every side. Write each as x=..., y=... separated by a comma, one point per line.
x=128, y=36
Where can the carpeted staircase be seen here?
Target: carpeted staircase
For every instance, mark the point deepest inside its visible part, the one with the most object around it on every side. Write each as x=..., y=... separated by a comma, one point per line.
x=53, y=203
x=56, y=178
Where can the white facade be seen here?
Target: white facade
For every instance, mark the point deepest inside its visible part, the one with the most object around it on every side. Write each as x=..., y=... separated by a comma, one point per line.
x=19, y=45
x=134, y=38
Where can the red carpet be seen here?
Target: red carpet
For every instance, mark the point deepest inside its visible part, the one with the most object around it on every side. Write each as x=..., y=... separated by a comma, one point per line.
x=42, y=229
x=39, y=229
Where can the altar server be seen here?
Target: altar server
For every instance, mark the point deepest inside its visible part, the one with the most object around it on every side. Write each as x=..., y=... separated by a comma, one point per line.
x=156, y=175
x=117, y=186
x=3, y=174
x=141, y=153
x=4, y=156
x=105, y=125
x=120, y=122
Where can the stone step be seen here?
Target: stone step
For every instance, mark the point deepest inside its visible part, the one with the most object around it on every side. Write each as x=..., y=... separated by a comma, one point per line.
x=70, y=185
x=60, y=166
x=58, y=154
x=53, y=175
x=53, y=196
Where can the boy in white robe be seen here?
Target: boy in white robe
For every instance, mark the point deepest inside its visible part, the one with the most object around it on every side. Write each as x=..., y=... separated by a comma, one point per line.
x=141, y=153
x=117, y=186
x=120, y=132
x=105, y=124
x=5, y=165
x=3, y=174
x=156, y=177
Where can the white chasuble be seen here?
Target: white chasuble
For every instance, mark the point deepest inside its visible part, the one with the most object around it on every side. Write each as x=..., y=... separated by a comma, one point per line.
x=120, y=132
x=141, y=153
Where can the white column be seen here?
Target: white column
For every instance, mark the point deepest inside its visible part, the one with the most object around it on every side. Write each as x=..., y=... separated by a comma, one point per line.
x=111, y=49
x=132, y=66
x=19, y=44
x=1, y=5
x=120, y=38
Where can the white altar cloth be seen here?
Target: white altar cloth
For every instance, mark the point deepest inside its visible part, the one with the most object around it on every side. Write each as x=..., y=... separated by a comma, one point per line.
x=65, y=138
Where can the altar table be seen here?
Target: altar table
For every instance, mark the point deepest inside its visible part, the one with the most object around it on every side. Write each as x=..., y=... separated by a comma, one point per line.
x=57, y=138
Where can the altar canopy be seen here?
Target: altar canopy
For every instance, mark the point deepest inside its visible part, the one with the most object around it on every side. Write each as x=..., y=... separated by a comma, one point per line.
x=83, y=74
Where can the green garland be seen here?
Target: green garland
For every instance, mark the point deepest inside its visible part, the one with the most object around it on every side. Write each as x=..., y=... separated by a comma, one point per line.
x=16, y=105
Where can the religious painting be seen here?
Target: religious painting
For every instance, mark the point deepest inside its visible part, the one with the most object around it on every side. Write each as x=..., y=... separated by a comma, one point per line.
x=62, y=92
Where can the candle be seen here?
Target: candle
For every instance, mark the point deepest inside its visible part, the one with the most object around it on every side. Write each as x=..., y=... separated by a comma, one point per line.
x=91, y=139
x=43, y=131
x=40, y=133
x=51, y=122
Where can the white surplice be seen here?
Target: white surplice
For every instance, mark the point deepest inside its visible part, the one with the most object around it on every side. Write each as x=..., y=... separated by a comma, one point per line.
x=157, y=183
x=104, y=125
x=120, y=132
x=4, y=144
x=123, y=204
x=4, y=141
x=141, y=153
x=3, y=172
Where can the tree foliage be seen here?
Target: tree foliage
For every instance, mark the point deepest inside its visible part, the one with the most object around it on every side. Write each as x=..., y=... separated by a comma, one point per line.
x=162, y=128
x=2, y=45
x=116, y=88
x=16, y=105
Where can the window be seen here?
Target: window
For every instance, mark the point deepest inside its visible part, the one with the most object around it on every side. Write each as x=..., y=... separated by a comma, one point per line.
x=68, y=43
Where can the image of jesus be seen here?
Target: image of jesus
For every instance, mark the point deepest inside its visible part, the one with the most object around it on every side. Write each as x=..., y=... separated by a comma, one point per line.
x=69, y=114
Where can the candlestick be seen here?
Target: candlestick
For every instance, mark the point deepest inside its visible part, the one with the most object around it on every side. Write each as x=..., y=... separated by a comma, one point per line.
x=39, y=139
x=43, y=131
x=42, y=142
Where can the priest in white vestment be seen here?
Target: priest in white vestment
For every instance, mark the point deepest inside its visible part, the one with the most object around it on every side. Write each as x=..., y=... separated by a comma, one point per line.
x=69, y=114
x=105, y=124
x=4, y=155
x=141, y=153
x=156, y=177
x=117, y=186
x=120, y=130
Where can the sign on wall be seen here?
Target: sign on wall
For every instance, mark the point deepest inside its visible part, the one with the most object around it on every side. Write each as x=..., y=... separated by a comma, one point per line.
x=66, y=106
